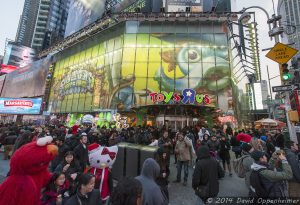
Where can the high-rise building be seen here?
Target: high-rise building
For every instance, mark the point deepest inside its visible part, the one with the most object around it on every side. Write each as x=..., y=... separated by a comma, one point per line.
x=27, y=22
x=46, y=20
x=290, y=12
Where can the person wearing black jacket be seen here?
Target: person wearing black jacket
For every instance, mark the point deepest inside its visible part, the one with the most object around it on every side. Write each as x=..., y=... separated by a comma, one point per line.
x=62, y=149
x=71, y=168
x=86, y=194
x=81, y=152
x=224, y=153
x=206, y=174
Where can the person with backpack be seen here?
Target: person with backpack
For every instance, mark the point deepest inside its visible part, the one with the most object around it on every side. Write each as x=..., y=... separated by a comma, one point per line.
x=264, y=181
x=242, y=165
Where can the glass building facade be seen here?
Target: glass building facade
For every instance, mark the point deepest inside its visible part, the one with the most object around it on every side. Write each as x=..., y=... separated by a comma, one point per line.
x=119, y=68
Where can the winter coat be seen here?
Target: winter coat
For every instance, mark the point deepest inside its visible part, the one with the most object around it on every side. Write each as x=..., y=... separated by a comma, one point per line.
x=49, y=196
x=93, y=198
x=292, y=158
x=81, y=154
x=247, y=162
x=73, y=168
x=274, y=181
x=224, y=150
x=213, y=145
x=182, y=150
x=152, y=194
x=207, y=171
x=60, y=157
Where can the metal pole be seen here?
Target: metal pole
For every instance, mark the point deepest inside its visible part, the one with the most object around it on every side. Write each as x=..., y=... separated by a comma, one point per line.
x=270, y=88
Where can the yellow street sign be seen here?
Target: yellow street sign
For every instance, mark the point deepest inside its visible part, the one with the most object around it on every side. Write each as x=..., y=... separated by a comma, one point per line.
x=281, y=53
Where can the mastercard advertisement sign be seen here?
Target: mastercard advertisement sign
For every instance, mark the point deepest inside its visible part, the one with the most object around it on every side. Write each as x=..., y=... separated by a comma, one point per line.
x=21, y=106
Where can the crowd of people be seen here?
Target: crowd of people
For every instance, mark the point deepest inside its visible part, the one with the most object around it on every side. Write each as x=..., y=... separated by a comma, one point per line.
x=268, y=163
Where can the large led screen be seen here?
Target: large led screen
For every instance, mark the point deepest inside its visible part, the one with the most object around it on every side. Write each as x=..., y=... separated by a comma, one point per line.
x=82, y=13
x=20, y=106
x=28, y=81
x=120, y=73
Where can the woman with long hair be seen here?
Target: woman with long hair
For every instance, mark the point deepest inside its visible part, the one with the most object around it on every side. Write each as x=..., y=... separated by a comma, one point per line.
x=71, y=168
x=86, y=194
x=56, y=192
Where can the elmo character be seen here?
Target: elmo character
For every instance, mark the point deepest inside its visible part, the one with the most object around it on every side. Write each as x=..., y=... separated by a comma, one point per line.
x=28, y=173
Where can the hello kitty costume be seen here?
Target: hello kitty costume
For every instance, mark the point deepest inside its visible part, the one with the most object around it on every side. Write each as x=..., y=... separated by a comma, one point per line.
x=101, y=160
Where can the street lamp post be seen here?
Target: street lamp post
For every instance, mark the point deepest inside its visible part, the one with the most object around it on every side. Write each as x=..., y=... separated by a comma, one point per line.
x=274, y=32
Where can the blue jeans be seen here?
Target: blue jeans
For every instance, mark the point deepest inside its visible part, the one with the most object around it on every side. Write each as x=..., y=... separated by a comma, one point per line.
x=185, y=165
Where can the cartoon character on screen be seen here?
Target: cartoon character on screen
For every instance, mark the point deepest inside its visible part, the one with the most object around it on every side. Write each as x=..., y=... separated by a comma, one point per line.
x=101, y=161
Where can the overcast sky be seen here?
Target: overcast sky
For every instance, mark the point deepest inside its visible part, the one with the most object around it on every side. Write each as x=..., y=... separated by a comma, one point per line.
x=12, y=9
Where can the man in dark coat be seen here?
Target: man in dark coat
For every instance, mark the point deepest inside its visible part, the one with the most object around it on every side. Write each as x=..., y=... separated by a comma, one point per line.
x=81, y=151
x=206, y=174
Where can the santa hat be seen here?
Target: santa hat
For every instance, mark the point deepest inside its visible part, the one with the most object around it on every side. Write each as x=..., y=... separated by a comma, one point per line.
x=93, y=147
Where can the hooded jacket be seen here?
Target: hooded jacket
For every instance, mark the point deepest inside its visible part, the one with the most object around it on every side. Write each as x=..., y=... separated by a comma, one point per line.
x=152, y=194
x=207, y=171
x=274, y=180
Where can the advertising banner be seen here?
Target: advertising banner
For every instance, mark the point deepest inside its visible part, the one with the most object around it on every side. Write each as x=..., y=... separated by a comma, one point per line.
x=21, y=106
x=28, y=81
x=82, y=13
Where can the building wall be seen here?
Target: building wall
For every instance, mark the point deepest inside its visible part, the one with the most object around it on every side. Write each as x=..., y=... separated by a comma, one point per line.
x=119, y=72
x=290, y=11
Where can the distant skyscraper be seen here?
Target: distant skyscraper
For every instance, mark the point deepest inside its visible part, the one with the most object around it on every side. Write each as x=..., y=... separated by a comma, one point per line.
x=290, y=12
x=27, y=22
x=42, y=23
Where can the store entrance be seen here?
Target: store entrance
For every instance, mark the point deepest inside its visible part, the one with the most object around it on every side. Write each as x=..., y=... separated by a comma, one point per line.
x=174, y=123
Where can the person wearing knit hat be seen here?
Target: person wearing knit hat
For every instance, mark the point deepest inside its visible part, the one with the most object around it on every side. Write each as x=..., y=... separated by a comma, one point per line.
x=266, y=182
x=246, y=147
x=257, y=155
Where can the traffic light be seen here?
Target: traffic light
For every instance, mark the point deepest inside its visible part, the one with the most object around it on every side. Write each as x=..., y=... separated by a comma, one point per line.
x=285, y=73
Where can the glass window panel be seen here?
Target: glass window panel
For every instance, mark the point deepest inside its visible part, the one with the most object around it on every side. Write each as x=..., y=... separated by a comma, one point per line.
x=117, y=56
x=194, y=69
x=76, y=58
x=82, y=57
x=88, y=105
x=153, y=69
x=193, y=27
x=144, y=27
x=129, y=40
x=132, y=26
x=154, y=55
x=141, y=54
x=95, y=51
x=181, y=84
x=128, y=54
x=181, y=27
x=74, y=105
x=168, y=27
x=142, y=40
x=154, y=41
x=206, y=28
x=156, y=27
x=141, y=70
x=127, y=69
x=101, y=49
x=110, y=45
x=88, y=54
x=118, y=43
x=195, y=82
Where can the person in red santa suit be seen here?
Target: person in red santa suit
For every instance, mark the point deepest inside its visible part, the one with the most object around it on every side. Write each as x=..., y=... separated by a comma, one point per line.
x=101, y=160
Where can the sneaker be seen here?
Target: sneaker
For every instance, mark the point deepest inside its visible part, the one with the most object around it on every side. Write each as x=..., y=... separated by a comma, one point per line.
x=176, y=181
x=184, y=183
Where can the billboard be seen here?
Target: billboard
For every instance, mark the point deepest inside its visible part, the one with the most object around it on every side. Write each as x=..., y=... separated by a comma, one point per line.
x=181, y=5
x=28, y=81
x=18, y=55
x=20, y=106
x=121, y=72
x=2, y=80
x=82, y=13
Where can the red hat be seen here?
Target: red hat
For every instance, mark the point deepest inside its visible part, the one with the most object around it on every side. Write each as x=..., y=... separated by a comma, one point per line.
x=93, y=147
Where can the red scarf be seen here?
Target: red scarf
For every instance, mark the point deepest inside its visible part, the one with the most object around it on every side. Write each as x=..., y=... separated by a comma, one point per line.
x=102, y=177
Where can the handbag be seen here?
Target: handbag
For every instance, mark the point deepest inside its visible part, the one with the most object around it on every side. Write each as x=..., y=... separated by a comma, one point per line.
x=202, y=191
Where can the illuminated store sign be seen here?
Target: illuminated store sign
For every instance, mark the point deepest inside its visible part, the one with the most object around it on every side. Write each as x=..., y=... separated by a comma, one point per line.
x=188, y=96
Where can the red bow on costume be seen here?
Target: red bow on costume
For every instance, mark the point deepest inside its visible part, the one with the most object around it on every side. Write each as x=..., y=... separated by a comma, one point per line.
x=112, y=155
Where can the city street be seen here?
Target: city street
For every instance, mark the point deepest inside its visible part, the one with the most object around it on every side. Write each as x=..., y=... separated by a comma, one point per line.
x=179, y=194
